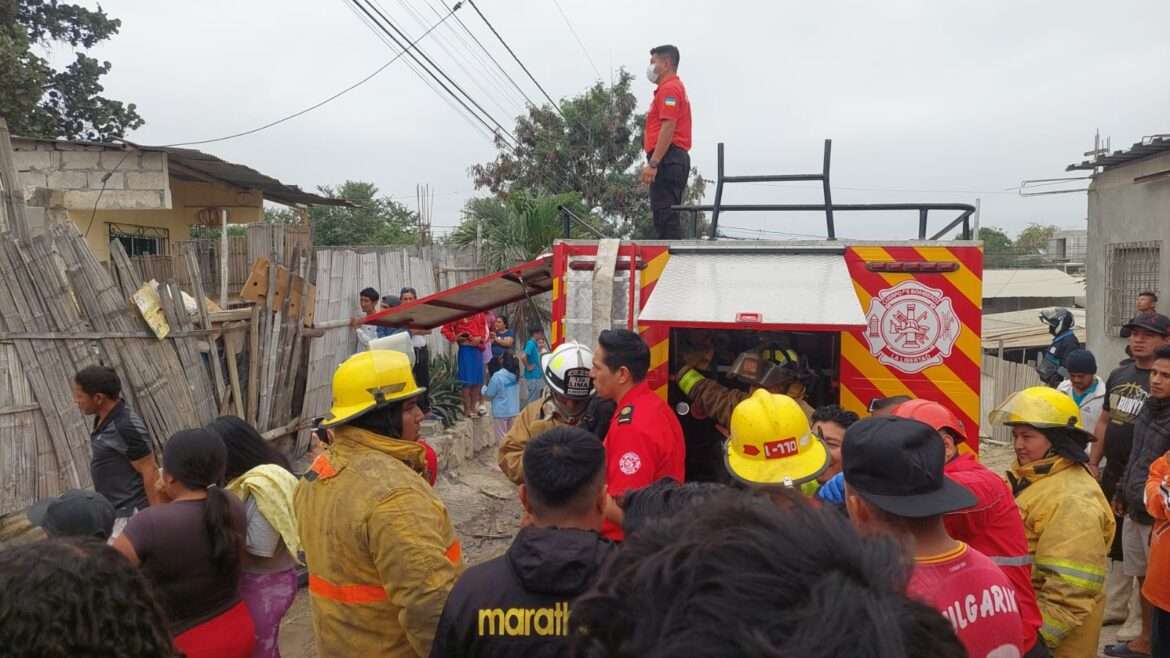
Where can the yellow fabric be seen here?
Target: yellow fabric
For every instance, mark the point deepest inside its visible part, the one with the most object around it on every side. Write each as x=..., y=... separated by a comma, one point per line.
x=367, y=380
x=531, y=422
x=273, y=488
x=372, y=520
x=1038, y=406
x=770, y=442
x=1070, y=528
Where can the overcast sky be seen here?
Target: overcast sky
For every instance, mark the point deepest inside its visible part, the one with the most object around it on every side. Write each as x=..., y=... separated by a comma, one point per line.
x=925, y=100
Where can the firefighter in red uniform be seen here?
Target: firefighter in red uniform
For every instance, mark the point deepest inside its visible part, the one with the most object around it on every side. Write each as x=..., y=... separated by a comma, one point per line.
x=667, y=142
x=645, y=442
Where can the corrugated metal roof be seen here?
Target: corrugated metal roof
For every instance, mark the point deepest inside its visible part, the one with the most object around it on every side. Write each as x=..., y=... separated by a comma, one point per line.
x=1149, y=146
x=1030, y=283
x=1024, y=329
x=190, y=164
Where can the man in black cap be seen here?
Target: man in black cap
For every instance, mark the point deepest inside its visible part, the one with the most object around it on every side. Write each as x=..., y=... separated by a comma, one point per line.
x=894, y=483
x=1127, y=389
x=75, y=513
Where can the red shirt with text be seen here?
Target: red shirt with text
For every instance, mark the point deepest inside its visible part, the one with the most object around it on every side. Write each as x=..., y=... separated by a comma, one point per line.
x=976, y=597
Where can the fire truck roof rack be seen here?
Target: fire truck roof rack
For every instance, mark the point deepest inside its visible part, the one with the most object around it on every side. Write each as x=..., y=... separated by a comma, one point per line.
x=828, y=207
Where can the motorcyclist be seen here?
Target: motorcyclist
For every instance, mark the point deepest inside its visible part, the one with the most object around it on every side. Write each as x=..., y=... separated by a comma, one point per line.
x=1051, y=365
x=569, y=399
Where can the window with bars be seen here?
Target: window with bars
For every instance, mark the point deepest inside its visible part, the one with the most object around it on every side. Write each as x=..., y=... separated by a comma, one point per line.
x=140, y=240
x=1130, y=269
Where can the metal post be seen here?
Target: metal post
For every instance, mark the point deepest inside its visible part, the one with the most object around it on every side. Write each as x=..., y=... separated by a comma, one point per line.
x=922, y=213
x=568, y=223
x=223, y=260
x=694, y=225
x=718, y=192
x=830, y=228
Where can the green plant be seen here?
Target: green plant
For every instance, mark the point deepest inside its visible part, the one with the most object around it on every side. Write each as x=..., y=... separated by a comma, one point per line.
x=446, y=400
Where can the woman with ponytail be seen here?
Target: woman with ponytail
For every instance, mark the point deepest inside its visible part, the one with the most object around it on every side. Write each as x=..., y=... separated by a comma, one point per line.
x=191, y=549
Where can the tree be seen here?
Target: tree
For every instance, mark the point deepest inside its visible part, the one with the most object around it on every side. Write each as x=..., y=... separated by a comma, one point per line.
x=516, y=230
x=374, y=221
x=41, y=101
x=1034, y=239
x=995, y=240
x=594, y=150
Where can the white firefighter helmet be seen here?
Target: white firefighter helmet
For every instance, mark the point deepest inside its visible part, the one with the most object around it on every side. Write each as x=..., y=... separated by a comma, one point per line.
x=566, y=369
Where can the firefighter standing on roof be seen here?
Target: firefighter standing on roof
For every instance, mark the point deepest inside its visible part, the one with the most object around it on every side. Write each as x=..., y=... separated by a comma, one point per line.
x=381, y=551
x=667, y=142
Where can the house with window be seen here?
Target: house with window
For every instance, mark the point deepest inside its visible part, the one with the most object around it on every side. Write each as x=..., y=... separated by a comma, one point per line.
x=146, y=197
x=1129, y=238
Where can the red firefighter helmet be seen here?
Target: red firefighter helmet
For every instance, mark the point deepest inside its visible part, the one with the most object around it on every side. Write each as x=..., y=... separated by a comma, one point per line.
x=934, y=414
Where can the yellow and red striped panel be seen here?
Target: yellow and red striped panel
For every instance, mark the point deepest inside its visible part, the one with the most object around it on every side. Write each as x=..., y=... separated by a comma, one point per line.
x=658, y=338
x=955, y=382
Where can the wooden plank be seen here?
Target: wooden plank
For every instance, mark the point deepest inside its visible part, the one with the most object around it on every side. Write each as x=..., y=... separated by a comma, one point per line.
x=282, y=285
x=311, y=306
x=256, y=287
x=254, y=364
x=233, y=342
x=205, y=318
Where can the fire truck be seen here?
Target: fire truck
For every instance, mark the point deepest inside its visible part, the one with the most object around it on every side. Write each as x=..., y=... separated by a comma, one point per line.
x=872, y=319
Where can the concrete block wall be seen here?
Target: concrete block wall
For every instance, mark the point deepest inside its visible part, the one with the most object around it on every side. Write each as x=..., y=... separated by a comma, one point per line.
x=133, y=179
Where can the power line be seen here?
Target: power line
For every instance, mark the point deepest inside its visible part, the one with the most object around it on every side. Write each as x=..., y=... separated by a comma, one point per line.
x=339, y=94
x=447, y=100
x=516, y=57
x=500, y=97
x=446, y=77
x=487, y=52
x=585, y=50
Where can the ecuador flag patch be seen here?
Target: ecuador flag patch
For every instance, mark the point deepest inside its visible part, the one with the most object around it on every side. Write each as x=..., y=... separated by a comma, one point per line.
x=670, y=101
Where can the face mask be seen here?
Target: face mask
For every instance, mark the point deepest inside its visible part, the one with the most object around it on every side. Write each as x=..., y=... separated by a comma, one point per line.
x=651, y=75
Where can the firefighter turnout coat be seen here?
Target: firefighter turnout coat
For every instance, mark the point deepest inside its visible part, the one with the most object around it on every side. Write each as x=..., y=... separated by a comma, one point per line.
x=715, y=400
x=540, y=416
x=381, y=551
x=1069, y=527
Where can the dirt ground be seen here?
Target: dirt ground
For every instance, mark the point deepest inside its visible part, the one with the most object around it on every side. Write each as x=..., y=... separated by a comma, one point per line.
x=486, y=513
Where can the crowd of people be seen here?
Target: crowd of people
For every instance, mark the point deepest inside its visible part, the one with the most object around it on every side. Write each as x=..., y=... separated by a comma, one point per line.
x=827, y=534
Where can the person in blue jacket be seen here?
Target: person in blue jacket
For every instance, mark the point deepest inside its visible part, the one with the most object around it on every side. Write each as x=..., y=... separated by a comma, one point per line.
x=503, y=389
x=1050, y=365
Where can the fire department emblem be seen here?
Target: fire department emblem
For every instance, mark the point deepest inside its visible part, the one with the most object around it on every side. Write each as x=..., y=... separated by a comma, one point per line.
x=911, y=327
x=630, y=463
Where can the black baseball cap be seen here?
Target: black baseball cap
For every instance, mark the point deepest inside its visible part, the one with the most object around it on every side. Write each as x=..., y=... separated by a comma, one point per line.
x=75, y=513
x=896, y=464
x=1155, y=322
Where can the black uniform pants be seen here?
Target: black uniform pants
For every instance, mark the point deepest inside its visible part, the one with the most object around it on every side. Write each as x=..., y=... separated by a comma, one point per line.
x=667, y=190
x=422, y=376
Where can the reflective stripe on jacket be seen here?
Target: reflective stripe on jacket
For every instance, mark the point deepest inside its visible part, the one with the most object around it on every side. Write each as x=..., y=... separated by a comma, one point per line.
x=993, y=527
x=381, y=552
x=1069, y=526
x=715, y=400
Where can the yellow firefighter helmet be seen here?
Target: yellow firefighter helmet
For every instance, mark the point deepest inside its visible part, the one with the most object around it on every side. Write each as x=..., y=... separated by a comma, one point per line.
x=770, y=443
x=368, y=380
x=1038, y=406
